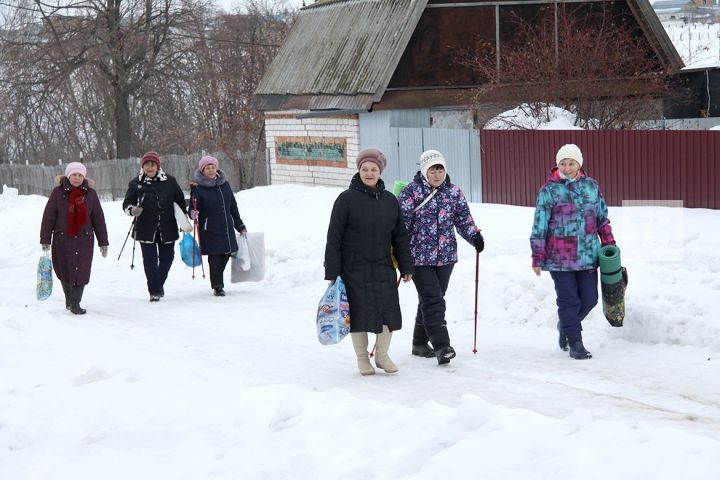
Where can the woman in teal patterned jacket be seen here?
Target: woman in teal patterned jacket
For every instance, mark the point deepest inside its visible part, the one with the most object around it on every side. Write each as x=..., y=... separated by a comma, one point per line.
x=570, y=215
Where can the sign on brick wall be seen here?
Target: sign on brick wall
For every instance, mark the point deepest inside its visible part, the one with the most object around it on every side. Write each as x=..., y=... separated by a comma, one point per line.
x=314, y=151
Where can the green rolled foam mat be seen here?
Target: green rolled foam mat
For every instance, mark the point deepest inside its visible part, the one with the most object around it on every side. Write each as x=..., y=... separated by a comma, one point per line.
x=398, y=187
x=610, y=265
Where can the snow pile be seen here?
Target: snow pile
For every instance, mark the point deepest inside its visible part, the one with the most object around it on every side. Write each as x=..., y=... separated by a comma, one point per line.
x=523, y=118
x=697, y=44
x=200, y=387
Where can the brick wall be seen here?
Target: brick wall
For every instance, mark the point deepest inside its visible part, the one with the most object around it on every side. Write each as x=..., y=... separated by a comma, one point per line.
x=285, y=125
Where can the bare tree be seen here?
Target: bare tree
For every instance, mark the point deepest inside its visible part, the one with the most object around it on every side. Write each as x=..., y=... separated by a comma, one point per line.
x=115, y=45
x=584, y=58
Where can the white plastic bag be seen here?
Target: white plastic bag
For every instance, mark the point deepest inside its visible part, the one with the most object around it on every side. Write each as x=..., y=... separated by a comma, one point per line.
x=182, y=220
x=242, y=256
x=256, y=247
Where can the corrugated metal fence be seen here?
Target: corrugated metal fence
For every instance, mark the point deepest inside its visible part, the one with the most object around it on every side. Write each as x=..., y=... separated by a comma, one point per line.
x=628, y=164
x=111, y=177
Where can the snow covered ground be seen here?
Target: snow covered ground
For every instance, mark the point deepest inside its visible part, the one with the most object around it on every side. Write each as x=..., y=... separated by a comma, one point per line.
x=199, y=387
x=697, y=44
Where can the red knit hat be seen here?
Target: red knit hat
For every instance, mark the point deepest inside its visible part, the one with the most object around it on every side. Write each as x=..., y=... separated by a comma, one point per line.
x=150, y=156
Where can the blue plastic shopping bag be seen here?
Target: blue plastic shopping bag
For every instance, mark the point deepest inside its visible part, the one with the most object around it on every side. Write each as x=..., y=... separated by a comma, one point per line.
x=44, y=278
x=333, y=317
x=187, y=246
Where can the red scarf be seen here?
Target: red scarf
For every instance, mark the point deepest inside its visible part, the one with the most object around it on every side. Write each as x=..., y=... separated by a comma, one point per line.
x=77, y=215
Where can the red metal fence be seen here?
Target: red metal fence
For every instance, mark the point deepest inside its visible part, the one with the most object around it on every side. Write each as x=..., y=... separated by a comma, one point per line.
x=628, y=164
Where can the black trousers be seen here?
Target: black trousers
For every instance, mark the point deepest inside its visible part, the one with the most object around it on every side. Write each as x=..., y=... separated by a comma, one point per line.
x=217, y=264
x=157, y=260
x=431, y=284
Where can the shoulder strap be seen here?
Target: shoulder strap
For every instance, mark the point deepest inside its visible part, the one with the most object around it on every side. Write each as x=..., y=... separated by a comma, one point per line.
x=427, y=199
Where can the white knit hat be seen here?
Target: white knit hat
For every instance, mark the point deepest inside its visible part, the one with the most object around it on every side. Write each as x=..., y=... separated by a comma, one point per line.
x=569, y=151
x=430, y=158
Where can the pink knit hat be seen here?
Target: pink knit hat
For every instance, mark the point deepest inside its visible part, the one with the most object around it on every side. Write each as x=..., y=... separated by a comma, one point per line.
x=371, y=155
x=207, y=160
x=75, y=167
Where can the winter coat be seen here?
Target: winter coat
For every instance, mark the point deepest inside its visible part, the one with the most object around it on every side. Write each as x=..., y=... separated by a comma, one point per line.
x=72, y=255
x=217, y=213
x=432, y=238
x=569, y=216
x=364, y=224
x=156, y=196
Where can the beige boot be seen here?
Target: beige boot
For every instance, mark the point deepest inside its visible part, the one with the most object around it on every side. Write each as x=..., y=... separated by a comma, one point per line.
x=381, y=351
x=360, y=344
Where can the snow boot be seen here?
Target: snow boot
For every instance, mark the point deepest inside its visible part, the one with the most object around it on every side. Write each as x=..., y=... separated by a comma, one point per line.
x=578, y=352
x=67, y=290
x=420, y=345
x=219, y=292
x=440, y=340
x=445, y=354
x=75, y=298
x=382, y=360
x=360, y=344
x=423, y=350
x=562, y=339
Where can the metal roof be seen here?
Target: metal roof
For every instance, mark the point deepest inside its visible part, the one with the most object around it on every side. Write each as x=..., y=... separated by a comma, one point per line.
x=347, y=49
x=341, y=54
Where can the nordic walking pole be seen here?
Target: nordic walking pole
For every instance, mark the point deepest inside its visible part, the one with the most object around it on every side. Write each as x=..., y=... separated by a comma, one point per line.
x=477, y=271
x=202, y=266
x=132, y=225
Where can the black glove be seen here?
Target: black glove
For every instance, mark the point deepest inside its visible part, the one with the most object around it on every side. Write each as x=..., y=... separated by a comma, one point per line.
x=479, y=242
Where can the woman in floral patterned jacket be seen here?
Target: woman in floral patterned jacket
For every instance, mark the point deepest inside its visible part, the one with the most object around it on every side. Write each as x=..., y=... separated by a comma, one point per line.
x=570, y=214
x=431, y=207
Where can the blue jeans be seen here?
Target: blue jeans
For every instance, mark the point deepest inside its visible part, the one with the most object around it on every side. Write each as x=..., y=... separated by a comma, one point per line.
x=157, y=260
x=577, y=295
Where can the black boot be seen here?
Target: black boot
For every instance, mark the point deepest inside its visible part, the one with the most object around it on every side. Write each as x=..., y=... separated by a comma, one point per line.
x=423, y=350
x=445, y=354
x=440, y=340
x=77, y=293
x=562, y=339
x=219, y=292
x=420, y=345
x=578, y=352
x=67, y=290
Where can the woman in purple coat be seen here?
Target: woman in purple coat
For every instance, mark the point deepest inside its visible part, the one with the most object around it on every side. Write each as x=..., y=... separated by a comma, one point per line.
x=72, y=218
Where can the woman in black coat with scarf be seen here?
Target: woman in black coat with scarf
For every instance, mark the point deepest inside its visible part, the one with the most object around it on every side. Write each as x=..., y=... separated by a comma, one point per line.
x=72, y=218
x=215, y=209
x=150, y=198
x=365, y=223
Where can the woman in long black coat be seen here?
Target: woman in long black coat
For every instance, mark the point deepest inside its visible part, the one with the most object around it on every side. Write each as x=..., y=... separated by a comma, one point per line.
x=150, y=198
x=365, y=223
x=72, y=218
x=214, y=207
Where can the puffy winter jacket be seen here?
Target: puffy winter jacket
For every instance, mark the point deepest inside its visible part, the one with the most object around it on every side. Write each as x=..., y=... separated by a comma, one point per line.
x=432, y=239
x=218, y=213
x=156, y=195
x=569, y=216
x=364, y=223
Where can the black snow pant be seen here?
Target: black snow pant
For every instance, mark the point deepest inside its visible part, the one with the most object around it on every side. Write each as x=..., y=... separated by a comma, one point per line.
x=431, y=284
x=577, y=294
x=217, y=264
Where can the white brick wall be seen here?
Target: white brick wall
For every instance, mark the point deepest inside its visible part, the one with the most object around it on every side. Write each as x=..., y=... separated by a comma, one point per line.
x=312, y=127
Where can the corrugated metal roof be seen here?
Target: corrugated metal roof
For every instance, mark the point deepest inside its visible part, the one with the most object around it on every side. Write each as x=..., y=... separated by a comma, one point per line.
x=340, y=48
